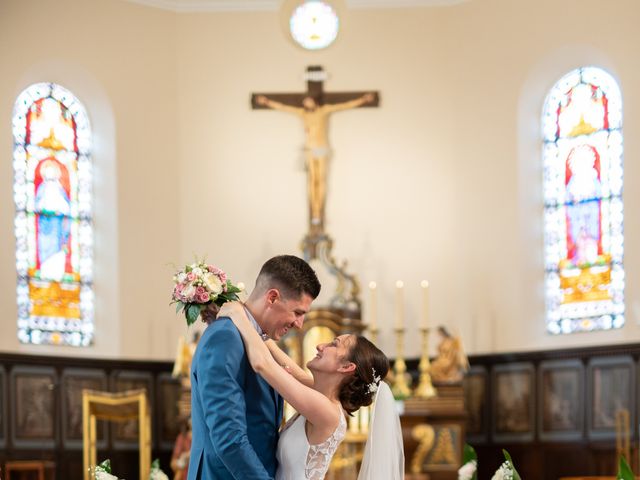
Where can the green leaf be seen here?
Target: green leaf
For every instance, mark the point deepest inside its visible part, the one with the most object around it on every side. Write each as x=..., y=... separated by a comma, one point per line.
x=179, y=306
x=155, y=464
x=624, y=471
x=468, y=454
x=106, y=465
x=516, y=475
x=192, y=313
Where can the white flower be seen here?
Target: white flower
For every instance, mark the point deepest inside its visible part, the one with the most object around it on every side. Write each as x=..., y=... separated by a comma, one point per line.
x=189, y=291
x=102, y=475
x=157, y=474
x=503, y=473
x=213, y=283
x=197, y=271
x=467, y=470
x=181, y=277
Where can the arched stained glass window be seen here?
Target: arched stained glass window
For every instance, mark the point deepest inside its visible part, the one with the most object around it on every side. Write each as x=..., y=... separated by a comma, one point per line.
x=582, y=129
x=53, y=224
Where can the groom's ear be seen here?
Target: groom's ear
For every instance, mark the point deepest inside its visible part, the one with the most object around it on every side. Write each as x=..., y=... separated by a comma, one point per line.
x=272, y=295
x=347, y=367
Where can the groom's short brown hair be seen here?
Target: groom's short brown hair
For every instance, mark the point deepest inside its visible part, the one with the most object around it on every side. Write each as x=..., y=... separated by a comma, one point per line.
x=289, y=274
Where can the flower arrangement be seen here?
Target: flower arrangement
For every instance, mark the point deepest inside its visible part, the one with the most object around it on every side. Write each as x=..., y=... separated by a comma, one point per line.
x=624, y=471
x=156, y=473
x=469, y=468
x=103, y=471
x=198, y=285
x=506, y=471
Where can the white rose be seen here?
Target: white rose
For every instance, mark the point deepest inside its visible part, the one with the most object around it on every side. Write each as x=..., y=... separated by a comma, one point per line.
x=189, y=291
x=181, y=277
x=197, y=271
x=213, y=283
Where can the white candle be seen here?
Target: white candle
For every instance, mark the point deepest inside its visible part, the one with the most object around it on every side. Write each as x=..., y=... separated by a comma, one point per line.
x=425, y=304
x=372, y=306
x=399, y=304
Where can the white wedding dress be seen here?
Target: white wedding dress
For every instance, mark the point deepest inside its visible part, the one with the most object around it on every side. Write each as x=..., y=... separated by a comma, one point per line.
x=297, y=459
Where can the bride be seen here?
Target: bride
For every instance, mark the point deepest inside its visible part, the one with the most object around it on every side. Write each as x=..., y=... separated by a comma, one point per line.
x=345, y=375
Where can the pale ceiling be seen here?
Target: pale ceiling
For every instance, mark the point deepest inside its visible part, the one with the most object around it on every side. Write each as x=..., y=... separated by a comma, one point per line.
x=272, y=5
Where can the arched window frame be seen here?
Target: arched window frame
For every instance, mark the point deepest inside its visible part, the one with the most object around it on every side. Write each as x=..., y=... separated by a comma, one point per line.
x=583, y=292
x=75, y=325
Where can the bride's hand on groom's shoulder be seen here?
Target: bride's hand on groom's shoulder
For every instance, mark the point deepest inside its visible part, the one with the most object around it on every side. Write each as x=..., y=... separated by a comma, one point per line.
x=229, y=309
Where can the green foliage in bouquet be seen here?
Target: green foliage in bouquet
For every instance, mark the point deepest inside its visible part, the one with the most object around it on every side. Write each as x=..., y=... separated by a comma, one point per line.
x=624, y=471
x=515, y=474
x=469, y=468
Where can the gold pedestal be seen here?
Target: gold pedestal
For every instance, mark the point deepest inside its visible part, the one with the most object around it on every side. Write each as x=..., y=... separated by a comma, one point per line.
x=425, y=388
x=401, y=379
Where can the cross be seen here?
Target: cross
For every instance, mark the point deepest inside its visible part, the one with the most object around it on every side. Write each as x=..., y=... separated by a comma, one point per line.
x=314, y=108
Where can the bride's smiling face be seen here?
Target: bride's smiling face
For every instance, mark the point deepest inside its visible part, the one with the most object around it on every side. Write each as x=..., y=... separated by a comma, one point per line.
x=330, y=357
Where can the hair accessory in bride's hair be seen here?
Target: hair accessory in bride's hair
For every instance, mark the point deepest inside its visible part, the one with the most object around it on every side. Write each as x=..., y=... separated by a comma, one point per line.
x=373, y=386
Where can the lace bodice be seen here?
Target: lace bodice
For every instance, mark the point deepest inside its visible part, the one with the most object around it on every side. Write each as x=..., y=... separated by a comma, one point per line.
x=298, y=459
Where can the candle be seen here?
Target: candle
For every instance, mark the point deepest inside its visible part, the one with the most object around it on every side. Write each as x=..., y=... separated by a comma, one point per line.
x=399, y=304
x=425, y=304
x=372, y=306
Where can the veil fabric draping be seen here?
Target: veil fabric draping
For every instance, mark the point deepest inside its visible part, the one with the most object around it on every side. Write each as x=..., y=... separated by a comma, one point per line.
x=384, y=452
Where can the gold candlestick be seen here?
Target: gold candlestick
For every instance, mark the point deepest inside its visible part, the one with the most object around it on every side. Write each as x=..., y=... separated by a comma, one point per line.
x=373, y=334
x=400, y=387
x=425, y=389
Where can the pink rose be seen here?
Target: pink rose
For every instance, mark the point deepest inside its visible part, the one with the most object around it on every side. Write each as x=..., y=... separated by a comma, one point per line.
x=203, y=297
x=222, y=276
x=191, y=277
x=200, y=290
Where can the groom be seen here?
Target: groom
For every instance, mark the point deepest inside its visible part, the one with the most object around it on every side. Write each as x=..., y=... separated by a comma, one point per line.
x=235, y=414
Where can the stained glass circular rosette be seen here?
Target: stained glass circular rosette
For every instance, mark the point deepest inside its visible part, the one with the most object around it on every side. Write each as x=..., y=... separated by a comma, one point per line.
x=314, y=25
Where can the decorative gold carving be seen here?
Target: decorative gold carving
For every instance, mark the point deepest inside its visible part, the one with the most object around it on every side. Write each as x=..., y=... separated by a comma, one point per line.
x=425, y=435
x=444, y=451
x=451, y=362
x=347, y=293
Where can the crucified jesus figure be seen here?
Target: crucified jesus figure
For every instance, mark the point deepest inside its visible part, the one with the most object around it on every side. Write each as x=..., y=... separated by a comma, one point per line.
x=316, y=147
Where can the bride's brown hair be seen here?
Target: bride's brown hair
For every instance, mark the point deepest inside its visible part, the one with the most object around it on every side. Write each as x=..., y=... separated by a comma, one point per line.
x=355, y=391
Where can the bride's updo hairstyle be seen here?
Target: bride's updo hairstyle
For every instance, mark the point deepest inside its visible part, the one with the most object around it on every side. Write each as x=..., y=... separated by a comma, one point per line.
x=358, y=390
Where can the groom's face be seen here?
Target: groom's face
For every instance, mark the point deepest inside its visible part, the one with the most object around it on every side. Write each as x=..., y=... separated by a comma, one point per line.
x=283, y=314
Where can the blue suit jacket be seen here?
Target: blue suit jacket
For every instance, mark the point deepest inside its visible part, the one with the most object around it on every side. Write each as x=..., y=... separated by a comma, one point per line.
x=235, y=414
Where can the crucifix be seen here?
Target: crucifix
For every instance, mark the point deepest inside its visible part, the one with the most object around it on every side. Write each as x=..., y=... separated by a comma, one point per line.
x=314, y=108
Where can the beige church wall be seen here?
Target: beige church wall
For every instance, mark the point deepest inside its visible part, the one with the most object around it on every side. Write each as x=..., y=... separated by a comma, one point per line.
x=442, y=182
x=118, y=59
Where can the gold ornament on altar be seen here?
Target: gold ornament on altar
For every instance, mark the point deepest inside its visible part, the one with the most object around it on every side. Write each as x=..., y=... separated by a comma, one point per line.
x=451, y=362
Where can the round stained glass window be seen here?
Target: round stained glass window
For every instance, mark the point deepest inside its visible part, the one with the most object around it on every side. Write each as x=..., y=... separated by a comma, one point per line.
x=314, y=25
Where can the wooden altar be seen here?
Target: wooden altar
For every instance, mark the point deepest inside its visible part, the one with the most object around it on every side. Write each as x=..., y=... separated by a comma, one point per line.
x=433, y=430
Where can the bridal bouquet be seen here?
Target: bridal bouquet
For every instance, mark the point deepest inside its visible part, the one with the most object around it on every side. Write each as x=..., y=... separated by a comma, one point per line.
x=198, y=285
